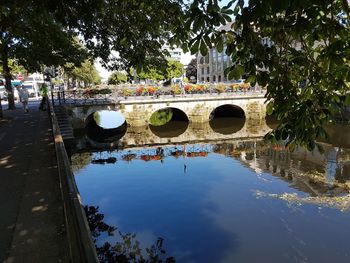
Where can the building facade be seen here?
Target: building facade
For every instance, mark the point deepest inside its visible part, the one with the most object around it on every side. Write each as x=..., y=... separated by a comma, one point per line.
x=211, y=68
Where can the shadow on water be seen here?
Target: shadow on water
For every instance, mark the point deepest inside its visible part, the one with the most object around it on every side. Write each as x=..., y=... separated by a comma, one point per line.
x=170, y=129
x=128, y=249
x=227, y=125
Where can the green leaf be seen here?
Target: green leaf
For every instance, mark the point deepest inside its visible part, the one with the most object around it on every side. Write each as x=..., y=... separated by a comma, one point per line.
x=270, y=108
x=207, y=40
x=251, y=79
x=203, y=48
x=220, y=45
x=194, y=47
x=347, y=100
x=336, y=98
x=240, y=70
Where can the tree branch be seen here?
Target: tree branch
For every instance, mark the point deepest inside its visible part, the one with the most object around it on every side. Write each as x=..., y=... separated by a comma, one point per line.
x=346, y=5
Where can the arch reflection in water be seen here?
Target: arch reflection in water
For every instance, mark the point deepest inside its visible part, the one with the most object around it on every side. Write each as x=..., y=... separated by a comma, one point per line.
x=168, y=123
x=227, y=119
x=106, y=126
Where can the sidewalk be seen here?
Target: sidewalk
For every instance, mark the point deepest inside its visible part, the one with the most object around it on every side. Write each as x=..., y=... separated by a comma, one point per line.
x=32, y=220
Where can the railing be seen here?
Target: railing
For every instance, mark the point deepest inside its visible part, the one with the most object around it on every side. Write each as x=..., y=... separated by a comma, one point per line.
x=108, y=95
x=80, y=243
x=80, y=96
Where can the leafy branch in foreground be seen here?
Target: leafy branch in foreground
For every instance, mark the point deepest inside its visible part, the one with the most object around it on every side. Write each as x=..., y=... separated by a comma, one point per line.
x=299, y=50
x=124, y=251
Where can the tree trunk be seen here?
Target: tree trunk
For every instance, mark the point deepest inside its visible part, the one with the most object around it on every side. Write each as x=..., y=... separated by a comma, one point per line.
x=8, y=85
x=1, y=113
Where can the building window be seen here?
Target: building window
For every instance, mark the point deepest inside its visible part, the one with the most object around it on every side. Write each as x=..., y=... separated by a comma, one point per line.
x=214, y=64
x=214, y=78
x=225, y=61
x=219, y=78
x=202, y=71
x=208, y=70
x=202, y=79
x=219, y=65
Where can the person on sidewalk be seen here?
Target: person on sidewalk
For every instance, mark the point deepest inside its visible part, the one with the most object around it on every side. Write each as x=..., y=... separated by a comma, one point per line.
x=43, y=93
x=24, y=97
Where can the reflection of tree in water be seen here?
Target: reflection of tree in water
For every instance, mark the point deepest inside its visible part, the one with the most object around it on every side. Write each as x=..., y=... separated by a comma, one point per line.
x=161, y=117
x=301, y=172
x=79, y=161
x=126, y=250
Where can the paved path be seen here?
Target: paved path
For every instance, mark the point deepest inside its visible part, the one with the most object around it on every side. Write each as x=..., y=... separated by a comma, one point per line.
x=32, y=220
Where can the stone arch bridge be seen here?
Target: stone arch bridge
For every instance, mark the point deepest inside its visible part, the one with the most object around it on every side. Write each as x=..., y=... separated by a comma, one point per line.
x=138, y=111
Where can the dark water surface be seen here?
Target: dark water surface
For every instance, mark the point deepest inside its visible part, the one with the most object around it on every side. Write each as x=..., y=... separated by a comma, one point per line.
x=232, y=200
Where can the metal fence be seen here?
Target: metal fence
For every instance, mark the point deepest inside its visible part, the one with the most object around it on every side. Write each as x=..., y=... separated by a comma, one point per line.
x=110, y=95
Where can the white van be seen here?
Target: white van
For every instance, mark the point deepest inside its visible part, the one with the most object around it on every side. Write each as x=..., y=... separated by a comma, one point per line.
x=32, y=87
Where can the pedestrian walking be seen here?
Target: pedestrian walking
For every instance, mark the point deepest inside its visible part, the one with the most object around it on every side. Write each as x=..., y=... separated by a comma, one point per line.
x=24, y=97
x=182, y=88
x=43, y=92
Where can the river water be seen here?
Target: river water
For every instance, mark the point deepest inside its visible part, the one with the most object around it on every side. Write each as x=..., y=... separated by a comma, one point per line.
x=221, y=198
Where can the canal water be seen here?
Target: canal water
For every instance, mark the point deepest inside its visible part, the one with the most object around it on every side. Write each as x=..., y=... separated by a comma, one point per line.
x=224, y=198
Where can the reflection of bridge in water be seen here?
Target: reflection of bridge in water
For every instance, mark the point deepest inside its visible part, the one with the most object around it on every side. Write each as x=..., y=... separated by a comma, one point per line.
x=325, y=178
x=195, y=132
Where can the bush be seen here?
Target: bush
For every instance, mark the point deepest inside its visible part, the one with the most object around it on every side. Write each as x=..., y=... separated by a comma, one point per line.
x=175, y=89
x=93, y=92
x=220, y=88
x=128, y=92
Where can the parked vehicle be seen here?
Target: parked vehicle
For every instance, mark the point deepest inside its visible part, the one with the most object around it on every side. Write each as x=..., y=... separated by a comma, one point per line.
x=32, y=87
x=3, y=93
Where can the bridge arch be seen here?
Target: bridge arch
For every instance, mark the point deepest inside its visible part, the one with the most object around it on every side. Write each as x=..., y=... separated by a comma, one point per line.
x=168, y=122
x=227, y=119
x=227, y=110
x=105, y=126
x=106, y=119
x=79, y=114
x=164, y=115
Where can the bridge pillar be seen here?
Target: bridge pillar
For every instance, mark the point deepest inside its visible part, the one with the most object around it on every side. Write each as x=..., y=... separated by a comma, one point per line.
x=255, y=117
x=255, y=111
x=136, y=118
x=199, y=114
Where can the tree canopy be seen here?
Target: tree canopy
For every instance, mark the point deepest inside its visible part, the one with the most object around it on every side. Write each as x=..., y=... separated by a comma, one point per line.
x=167, y=70
x=191, y=70
x=298, y=49
x=37, y=33
x=117, y=78
x=85, y=73
x=174, y=69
